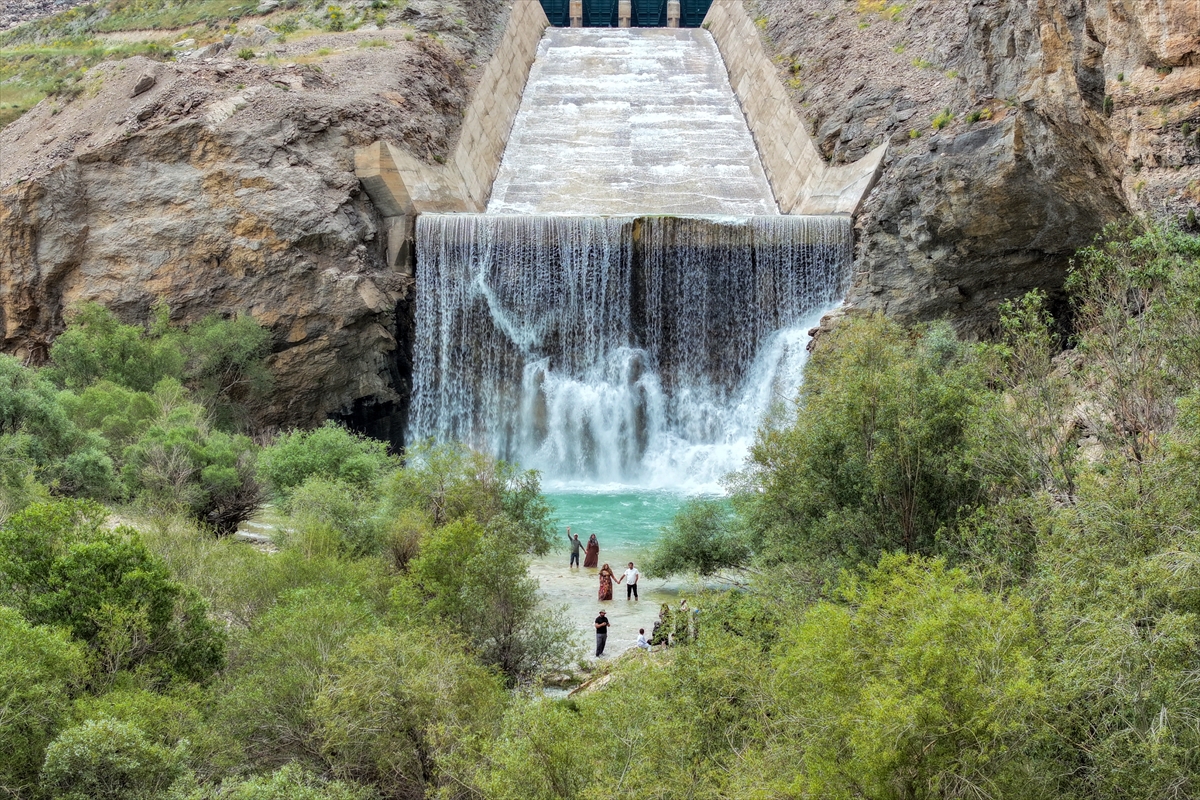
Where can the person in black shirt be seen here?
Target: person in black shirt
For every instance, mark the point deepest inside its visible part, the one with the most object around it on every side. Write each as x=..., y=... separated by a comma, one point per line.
x=601, y=633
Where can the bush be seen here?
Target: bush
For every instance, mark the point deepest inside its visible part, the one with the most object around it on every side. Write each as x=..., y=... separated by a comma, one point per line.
x=283, y=664
x=453, y=583
x=913, y=684
x=876, y=457
x=943, y=118
x=290, y=782
x=97, y=346
x=448, y=482
x=401, y=702
x=700, y=540
x=103, y=759
x=334, y=518
x=61, y=565
x=246, y=53
x=330, y=452
x=42, y=670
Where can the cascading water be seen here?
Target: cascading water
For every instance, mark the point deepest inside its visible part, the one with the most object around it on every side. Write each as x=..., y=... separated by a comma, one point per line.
x=569, y=331
x=616, y=350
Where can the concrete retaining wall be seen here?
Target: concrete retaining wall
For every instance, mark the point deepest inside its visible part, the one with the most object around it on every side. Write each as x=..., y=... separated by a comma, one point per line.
x=403, y=186
x=803, y=183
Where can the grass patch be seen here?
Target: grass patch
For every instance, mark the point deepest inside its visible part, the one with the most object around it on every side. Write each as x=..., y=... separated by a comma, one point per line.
x=31, y=72
x=885, y=9
x=944, y=118
x=373, y=43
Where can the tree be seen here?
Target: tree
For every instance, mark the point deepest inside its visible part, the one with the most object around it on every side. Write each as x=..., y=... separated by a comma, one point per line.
x=700, y=540
x=107, y=760
x=400, y=702
x=475, y=582
x=42, y=670
x=61, y=565
x=913, y=683
x=875, y=457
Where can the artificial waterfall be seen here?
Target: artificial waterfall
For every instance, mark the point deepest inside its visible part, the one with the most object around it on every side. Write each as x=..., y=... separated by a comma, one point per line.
x=624, y=323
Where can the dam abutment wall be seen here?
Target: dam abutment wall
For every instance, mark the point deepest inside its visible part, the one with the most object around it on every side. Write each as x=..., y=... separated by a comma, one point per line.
x=402, y=186
x=803, y=183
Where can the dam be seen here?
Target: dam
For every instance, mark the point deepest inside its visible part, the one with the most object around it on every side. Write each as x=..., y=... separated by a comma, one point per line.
x=615, y=275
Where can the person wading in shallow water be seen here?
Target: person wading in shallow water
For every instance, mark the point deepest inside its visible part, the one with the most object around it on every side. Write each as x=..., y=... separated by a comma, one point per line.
x=576, y=546
x=606, y=582
x=632, y=576
x=592, y=557
x=601, y=633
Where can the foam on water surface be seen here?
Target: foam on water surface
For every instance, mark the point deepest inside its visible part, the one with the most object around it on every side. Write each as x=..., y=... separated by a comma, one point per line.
x=630, y=121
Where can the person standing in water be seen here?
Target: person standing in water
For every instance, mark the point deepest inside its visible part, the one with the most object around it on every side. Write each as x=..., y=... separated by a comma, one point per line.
x=632, y=576
x=576, y=546
x=592, y=555
x=606, y=582
x=601, y=632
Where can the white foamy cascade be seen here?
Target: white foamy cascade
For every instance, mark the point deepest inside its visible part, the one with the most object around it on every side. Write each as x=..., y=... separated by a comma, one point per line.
x=616, y=350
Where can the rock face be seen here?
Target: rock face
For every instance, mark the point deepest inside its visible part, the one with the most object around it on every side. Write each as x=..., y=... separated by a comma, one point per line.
x=1034, y=161
x=228, y=187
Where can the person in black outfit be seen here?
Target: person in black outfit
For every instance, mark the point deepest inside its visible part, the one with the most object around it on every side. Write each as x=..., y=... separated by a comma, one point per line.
x=601, y=633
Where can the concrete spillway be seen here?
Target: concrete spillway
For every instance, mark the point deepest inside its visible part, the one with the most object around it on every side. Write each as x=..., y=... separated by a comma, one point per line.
x=625, y=122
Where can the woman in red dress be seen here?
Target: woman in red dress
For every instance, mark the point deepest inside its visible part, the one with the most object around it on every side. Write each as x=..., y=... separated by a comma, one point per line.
x=592, y=554
x=606, y=582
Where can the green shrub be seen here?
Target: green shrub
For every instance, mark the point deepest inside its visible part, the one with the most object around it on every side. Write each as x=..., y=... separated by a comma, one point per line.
x=330, y=452
x=107, y=760
x=42, y=670
x=700, y=540
x=246, y=53
x=290, y=782
x=448, y=482
x=1108, y=105
x=61, y=565
x=334, y=518
x=451, y=584
x=423, y=697
x=337, y=18
x=911, y=680
x=824, y=485
x=943, y=118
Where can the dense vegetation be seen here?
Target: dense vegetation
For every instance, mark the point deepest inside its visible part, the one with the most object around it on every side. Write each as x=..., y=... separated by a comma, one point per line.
x=962, y=570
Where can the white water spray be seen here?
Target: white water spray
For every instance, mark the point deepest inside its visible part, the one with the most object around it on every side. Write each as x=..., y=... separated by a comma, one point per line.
x=616, y=351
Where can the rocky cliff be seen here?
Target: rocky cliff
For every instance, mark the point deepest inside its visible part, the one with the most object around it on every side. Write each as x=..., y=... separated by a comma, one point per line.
x=1056, y=117
x=227, y=185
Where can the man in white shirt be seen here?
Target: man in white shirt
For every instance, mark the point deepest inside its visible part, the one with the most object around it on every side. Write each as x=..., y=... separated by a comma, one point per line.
x=632, y=576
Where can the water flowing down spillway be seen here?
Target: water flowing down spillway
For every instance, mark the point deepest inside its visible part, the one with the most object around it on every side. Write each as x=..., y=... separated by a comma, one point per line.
x=633, y=121
x=616, y=350
x=633, y=302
